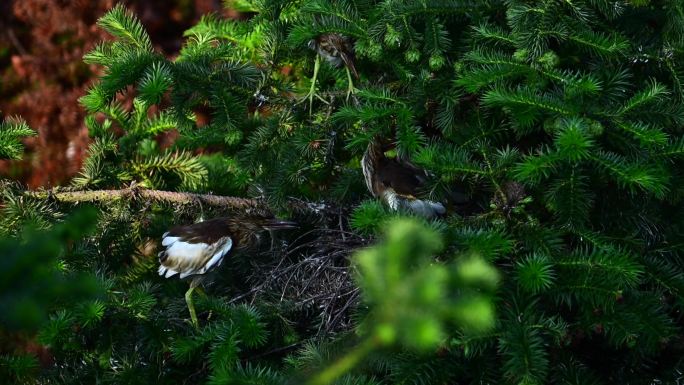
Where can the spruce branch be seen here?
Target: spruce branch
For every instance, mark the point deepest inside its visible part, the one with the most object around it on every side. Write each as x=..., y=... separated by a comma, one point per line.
x=133, y=193
x=12, y=131
x=122, y=24
x=172, y=197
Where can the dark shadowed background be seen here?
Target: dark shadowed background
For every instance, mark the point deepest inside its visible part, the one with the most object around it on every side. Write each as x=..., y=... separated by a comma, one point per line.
x=42, y=73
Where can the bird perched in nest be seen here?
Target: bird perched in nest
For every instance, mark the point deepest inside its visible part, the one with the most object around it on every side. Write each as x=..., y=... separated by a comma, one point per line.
x=397, y=182
x=338, y=50
x=192, y=251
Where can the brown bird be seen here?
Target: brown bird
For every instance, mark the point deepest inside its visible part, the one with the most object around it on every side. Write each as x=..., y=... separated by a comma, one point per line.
x=397, y=182
x=192, y=251
x=338, y=50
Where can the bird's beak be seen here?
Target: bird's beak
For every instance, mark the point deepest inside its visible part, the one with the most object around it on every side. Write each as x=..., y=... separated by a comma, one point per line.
x=277, y=224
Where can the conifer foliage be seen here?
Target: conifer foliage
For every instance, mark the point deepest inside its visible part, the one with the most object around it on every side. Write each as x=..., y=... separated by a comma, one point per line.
x=11, y=131
x=561, y=120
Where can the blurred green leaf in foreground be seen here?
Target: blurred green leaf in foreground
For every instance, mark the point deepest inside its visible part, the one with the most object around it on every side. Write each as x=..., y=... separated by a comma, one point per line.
x=32, y=279
x=414, y=299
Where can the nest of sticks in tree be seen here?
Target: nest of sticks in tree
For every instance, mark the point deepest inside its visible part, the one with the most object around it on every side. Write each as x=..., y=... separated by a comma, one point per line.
x=312, y=277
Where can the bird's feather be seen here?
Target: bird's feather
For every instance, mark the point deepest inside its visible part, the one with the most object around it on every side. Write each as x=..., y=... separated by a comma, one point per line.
x=426, y=208
x=423, y=207
x=215, y=260
x=168, y=240
x=208, y=231
x=194, y=249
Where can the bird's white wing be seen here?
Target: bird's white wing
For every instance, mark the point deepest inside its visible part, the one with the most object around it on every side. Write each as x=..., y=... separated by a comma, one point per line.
x=222, y=248
x=424, y=208
x=186, y=258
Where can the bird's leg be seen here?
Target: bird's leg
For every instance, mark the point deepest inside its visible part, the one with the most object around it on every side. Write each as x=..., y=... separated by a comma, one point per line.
x=191, y=306
x=200, y=290
x=312, y=89
x=350, y=87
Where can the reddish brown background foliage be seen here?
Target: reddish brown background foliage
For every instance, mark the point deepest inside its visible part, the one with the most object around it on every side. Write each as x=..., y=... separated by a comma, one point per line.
x=42, y=74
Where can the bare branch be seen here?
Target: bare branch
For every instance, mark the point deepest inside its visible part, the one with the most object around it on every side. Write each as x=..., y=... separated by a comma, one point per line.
x=144, y=194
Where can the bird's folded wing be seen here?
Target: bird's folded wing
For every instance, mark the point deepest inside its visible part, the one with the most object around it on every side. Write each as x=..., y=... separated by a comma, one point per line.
x=186, y=258
x=426, y=208
x=422, y=207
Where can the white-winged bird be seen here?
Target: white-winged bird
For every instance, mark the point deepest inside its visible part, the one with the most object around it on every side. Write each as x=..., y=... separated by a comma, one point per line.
x=338, y=50
x=396, y=181
x=194, y=250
